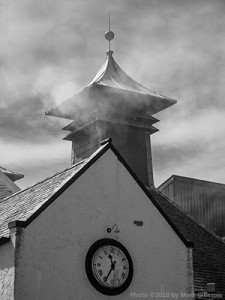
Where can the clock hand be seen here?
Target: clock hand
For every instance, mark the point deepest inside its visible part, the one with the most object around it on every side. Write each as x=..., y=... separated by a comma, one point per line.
x=111, y=269
x=112, y=263
x=110, y=257
x=106, y=278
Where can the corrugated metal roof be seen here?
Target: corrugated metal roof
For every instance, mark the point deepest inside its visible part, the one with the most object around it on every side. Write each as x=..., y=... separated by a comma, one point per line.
x=204, y=200
x=193, y=181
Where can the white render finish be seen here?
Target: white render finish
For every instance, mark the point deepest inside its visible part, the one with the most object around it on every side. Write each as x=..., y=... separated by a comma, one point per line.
x=52, y=249
x=7, y=271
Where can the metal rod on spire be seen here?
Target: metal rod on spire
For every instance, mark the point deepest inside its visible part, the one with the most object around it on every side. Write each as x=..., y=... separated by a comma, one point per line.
x=109, y=35
x=109, y=30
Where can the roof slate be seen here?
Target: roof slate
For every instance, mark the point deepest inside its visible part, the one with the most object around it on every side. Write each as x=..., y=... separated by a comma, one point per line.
x=208, y=251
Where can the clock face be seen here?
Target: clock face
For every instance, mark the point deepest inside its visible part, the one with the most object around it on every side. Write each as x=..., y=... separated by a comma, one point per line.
x=109, y=267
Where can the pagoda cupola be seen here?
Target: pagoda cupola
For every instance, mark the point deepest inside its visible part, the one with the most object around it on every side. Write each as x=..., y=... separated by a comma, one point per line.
x=113, y=105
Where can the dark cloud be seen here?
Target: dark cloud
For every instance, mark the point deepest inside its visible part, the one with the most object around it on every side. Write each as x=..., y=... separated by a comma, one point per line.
x=50, y=49
x=164, y=155
x=24, y=120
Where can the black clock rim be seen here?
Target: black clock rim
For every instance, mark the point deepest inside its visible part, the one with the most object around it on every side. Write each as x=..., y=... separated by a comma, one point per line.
x=88, y=267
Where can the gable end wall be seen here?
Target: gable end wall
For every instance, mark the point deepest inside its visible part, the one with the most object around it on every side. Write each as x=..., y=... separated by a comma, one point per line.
x=53, y=247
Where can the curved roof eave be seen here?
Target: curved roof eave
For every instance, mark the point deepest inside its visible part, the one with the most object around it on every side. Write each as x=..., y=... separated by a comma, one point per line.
x=95, y=96
x=111, y=81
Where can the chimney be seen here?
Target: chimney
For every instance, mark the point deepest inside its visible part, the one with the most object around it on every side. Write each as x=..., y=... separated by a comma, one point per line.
x=113, y=105
x=130, y=135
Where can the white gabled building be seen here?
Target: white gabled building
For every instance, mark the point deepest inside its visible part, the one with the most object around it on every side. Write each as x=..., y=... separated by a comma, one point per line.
x=57, y=221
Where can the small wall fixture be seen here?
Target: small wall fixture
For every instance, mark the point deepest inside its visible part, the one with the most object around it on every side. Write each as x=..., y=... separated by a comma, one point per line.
x=109, y=230
x=139, y=223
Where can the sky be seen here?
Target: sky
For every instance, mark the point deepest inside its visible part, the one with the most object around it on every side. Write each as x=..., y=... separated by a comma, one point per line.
x=50, y=49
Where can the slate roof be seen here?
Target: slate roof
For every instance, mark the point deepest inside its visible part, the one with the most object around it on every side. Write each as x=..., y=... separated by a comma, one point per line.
x=208, y=249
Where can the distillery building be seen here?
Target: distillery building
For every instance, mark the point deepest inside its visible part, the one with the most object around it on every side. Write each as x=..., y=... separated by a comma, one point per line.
x=100, y=229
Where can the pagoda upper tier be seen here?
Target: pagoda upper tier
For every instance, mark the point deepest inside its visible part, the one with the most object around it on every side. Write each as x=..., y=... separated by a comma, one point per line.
x=111, y=88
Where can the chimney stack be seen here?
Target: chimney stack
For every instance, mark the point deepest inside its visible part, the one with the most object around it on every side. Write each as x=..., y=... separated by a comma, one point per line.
x=130, y=135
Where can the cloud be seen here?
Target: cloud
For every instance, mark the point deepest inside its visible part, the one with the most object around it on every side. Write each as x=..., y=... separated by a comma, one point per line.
x=178, y=50
x=205, y=126
x=25, y=121
x=25, y=153
x=50, y=49
x=193, y=147
x=35, y=161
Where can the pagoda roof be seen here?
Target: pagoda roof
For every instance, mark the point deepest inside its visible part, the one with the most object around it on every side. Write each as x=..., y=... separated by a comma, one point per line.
x=111, y=87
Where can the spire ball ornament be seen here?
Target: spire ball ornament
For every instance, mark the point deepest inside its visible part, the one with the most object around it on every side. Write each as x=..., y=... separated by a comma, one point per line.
x=109, y=35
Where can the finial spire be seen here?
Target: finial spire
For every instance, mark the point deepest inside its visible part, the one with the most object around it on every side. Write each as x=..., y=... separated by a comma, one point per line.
x=109, y=21
x=109, y=35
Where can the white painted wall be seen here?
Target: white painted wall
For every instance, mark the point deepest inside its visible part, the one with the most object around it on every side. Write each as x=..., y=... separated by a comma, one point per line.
x=7, y=271
x=54, y=246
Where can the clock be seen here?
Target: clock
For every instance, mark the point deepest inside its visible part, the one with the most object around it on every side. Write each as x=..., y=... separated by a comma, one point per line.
x=109, y=267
